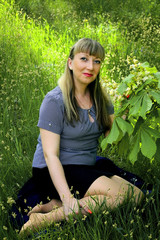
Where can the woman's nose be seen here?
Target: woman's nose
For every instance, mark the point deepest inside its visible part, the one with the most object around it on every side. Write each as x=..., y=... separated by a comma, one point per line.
x=90, y=64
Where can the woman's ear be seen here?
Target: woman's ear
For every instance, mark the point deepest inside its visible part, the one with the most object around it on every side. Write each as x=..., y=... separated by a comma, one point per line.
x=70, y=63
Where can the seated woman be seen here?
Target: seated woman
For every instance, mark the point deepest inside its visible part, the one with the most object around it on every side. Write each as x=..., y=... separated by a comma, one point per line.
x=72, y=118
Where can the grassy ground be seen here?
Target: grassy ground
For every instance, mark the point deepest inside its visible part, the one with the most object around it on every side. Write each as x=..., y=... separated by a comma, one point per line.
x=32, y=56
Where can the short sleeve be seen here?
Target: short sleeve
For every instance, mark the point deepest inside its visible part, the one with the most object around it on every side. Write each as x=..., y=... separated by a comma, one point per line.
x=51, y=114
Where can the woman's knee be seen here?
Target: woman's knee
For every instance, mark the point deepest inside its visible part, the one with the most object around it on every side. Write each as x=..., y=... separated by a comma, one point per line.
x=102, y=186
x=128, y=189
x=116, y=189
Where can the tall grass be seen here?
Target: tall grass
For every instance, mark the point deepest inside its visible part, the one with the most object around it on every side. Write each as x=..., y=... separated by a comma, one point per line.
x=33, y=53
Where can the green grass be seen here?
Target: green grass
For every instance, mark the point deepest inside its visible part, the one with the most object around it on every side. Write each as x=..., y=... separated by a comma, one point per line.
x=33, y=52
x=125, y=222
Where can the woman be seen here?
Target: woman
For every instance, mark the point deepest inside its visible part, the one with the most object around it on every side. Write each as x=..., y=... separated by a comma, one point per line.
x=72, y=118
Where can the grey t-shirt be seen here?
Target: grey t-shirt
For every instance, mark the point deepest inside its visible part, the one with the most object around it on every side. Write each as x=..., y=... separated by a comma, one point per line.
x=78, y=143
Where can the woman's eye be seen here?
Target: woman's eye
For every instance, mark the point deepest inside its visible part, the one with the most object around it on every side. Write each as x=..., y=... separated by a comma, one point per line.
x=83, y=58
x=97, y=61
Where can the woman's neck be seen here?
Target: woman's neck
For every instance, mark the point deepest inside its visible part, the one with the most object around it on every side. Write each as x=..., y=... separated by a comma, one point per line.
x=83, y=99
x=82, y=92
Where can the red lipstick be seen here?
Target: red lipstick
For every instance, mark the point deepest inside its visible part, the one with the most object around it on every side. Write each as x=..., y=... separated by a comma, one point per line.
x=88, y=74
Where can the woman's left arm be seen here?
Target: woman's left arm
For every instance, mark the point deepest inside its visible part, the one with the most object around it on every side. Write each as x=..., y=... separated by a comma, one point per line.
x=112, y=119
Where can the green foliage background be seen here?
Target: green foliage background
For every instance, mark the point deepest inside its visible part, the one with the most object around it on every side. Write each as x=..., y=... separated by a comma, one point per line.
x=35, y=38
x=136, y=128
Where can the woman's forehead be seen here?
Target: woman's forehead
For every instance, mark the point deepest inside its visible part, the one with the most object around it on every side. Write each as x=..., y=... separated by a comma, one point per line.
x=88, y=54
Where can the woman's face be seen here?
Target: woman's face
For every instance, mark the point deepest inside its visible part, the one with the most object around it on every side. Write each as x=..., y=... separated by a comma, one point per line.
x=85, y=68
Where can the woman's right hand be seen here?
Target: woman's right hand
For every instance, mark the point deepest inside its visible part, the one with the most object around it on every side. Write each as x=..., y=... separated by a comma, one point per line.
x=70, y=206
x=73, y=206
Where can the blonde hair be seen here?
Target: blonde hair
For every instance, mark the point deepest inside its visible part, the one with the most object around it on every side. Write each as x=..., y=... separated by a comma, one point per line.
x=99, y=97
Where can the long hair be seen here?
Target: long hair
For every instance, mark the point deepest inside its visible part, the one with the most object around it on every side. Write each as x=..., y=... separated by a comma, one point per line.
x=99, y=97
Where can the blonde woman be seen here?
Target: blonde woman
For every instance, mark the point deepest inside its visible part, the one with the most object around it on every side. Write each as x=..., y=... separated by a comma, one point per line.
x=72, y=118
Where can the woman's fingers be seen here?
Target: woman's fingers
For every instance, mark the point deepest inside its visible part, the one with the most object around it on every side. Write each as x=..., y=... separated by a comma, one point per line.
x=85, y=207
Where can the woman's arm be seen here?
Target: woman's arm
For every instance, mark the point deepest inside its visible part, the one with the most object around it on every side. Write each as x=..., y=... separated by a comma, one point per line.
x=51, y=144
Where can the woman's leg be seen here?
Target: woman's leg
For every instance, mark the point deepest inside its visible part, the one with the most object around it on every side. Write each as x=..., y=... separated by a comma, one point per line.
x=111, y=191
x=45, y=208
x=39, y=220
x=116, y=189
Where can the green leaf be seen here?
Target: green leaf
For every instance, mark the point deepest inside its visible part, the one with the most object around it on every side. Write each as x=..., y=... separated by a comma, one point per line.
x=135, y=109
x=120, y=136
x=146, y=105
x=152, y=132
x=156, y=96
x=148, y=147
x=112, y=137
x=151, y=70
x=157, y=75
x=123, y=108
x=128, y=79
x=145, y=64
x=139, y=123
x=139, y=88
x=114, y=134
x=124, y=145
x=122, y=87
x=104, y=144
x=124, y=125
x=135, y=99
x=136, y=147
x=148, y=81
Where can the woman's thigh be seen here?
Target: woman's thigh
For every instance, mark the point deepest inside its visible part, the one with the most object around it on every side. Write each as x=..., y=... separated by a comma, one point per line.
x=115, y=188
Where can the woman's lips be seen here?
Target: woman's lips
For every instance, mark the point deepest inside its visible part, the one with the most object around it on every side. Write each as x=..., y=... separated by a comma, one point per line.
x=88, y=74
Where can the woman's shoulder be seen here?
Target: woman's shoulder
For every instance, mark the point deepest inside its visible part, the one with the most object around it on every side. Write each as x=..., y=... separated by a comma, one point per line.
x=55, y=95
